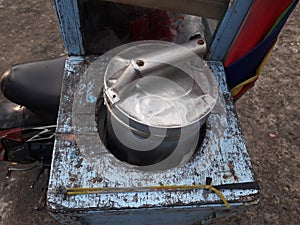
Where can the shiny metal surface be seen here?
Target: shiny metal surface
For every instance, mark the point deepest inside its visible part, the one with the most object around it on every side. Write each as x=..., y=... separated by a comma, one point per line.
x=161, y=106
x=150, y=63
x=173, y=96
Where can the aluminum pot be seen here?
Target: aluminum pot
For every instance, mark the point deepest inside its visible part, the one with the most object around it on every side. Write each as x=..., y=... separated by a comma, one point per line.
x=155, y=123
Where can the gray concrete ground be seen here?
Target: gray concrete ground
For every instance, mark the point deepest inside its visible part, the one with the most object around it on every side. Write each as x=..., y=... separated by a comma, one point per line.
x=269, y=116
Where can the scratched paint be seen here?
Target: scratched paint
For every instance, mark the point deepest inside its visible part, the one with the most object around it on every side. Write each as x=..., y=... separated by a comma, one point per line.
x=81, y=160
x=228, y=29
x=89, y=96
x=69, y=22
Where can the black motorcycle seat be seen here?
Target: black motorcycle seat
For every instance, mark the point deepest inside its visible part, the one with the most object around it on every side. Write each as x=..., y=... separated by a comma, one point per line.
x=13, y=115
x=36, y=85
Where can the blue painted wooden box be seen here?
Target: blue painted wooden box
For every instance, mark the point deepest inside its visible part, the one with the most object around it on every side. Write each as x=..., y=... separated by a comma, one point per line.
x=122, y=194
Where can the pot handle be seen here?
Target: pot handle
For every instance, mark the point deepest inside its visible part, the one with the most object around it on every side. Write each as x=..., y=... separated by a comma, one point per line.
x=143, y=65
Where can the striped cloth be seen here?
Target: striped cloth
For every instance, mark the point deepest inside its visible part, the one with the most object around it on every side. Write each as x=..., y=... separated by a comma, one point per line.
x=253, y=44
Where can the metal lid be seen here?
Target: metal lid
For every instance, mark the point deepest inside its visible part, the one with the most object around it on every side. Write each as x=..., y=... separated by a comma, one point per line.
x=176, y=95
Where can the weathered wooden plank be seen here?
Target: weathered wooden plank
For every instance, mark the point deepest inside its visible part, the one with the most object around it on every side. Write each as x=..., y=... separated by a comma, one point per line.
x=228, y=29
x=69, y=23
x=213, y=9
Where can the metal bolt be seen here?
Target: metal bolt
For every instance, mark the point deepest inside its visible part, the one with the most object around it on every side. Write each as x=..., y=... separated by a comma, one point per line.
x=200, y=42
x=140, y=63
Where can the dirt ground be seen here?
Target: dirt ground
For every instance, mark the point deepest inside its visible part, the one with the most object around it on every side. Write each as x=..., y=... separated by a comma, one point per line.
x=269, y=117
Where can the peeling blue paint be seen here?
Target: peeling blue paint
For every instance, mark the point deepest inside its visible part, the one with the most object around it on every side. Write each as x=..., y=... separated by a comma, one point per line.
x=89, y=96
x=229, y=27
x=69, y=23
x=81, y=160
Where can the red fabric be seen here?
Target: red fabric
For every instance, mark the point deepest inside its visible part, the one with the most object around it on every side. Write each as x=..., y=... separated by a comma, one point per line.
x=155, y=25
x=263, y=14
x=13, y=134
